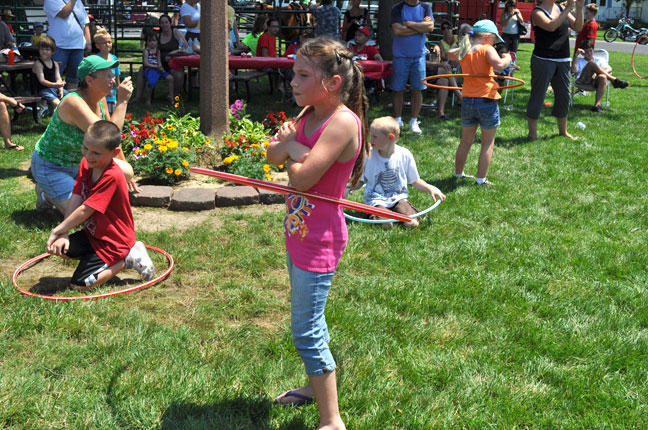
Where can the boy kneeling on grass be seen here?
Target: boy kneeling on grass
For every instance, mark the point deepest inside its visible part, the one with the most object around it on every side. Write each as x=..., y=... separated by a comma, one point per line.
x=100, y=199
x=388, y=171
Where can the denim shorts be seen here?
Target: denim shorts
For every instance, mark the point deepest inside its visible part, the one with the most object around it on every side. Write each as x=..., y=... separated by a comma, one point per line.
x=408, y=68
x=57, y=181
x=51, y=94
x=308, y=294
x=477, y=110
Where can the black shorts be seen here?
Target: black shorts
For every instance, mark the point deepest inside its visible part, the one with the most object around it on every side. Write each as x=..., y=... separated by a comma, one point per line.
x=90, y=265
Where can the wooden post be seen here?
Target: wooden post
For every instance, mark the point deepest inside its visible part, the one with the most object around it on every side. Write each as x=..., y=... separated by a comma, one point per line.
x=214, y=71
x=385, y=36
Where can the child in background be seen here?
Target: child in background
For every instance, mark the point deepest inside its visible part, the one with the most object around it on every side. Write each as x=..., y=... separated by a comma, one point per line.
x=106, y=244
x=153, y=69
x=590, y=27
x=267, y=44
x=321, y=149
x=479, y=107
x=48, y=76
x=388, y=171
x=251, y=40
x=38, y=33
x=103, y=41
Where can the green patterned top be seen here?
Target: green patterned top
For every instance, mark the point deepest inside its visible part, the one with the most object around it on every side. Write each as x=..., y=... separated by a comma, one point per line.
x=62, y=142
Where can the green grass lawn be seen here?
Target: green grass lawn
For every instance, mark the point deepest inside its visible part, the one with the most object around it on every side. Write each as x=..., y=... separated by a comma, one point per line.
x=519, y=306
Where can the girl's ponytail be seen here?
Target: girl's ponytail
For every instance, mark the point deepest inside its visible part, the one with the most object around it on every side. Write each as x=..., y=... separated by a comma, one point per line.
x=357, y=101
x=464, y=46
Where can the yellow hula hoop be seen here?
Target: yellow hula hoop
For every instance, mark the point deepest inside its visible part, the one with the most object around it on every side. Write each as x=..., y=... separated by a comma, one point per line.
x=470, y=75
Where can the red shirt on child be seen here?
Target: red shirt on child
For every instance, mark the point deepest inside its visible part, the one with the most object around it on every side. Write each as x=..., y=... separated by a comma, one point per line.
x=269, y=42
x=110, y=229
x=369, y=50
x=587, y=32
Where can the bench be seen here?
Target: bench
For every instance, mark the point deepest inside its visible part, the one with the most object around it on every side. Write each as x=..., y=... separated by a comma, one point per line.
x=246, y=77
x=32, y=102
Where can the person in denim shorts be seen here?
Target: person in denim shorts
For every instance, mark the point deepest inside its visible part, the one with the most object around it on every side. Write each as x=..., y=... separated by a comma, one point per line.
x=479, y=107
x=411, y=20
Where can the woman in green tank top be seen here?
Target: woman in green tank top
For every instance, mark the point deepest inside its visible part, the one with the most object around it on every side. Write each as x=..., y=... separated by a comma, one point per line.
x=55, y=162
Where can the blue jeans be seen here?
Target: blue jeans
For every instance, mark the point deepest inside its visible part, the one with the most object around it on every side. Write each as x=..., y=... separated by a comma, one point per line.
x=477, y=110
x=308, y=294
x=57, y=181
x=410, y=69
x=70, y=60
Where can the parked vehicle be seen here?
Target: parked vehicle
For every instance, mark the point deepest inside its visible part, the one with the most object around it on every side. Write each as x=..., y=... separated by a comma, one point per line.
x=626, y=32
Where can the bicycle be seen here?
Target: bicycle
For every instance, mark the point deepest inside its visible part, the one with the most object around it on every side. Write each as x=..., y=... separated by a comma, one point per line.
x=626, y=32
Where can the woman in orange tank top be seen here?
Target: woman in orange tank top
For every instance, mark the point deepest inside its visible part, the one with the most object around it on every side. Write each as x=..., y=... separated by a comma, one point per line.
x=479, y=107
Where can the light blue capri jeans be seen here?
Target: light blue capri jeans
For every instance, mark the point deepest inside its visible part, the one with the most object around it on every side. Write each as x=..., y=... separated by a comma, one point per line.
x=57, y=181
x=544, y=72
x=308, y=295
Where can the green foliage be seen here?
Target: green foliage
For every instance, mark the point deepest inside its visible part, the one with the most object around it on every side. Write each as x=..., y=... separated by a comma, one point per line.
x=162, y=150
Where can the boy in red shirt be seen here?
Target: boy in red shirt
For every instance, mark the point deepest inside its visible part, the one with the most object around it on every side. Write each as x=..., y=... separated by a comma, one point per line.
x=360, y=47
x=590, y=27
x=100, y=199
x=267, y=45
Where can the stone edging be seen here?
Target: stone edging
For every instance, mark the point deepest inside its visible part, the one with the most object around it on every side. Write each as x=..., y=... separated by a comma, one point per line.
x=197, y=199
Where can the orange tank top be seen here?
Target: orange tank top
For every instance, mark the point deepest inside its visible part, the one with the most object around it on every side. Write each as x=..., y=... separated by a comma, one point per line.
x=477, y=64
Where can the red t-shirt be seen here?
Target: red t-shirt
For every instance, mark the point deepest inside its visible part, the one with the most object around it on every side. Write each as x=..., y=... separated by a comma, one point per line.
x=587, y=32
x=267, y=41
x=110, y=229
x=292, y=49
x=369, y=50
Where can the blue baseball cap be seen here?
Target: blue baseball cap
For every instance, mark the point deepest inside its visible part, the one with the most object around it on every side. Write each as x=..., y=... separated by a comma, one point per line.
x=38, y=24
x=487, y=26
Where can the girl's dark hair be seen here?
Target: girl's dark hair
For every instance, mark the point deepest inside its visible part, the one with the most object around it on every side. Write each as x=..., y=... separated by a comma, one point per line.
x=509, y=4
x=47, y=42
x=329, y=57
x=164, y=15
x=257, y=28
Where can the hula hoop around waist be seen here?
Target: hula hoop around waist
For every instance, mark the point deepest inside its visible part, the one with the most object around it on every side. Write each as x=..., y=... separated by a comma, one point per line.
x=469, y=75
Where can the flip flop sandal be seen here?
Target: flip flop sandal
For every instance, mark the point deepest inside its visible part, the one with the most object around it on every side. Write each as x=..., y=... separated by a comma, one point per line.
x=303, y=400
x=15, y=147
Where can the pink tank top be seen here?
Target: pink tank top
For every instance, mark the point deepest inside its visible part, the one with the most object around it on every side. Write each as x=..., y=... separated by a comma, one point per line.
x=315, y=230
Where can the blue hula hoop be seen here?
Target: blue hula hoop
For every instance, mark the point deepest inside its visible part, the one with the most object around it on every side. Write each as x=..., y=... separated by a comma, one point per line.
x=383, y=221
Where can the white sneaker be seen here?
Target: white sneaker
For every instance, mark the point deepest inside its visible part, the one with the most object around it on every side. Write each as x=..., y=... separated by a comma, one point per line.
x=400, y=123
x=139, y=260
x=414, y=126
x=41, y=201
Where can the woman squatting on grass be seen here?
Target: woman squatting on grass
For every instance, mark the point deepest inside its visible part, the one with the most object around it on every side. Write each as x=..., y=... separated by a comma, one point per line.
x=322, y=148
x=479, y=106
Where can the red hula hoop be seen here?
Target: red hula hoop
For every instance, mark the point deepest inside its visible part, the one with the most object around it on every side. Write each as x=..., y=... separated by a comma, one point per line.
x=633, y=54
x=93, y=296
x=469, y=75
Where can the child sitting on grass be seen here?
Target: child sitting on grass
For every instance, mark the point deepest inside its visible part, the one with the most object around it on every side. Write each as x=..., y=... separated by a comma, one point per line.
x=153, y=69
x=106, y=244
x=388, y=171
x=48, y=77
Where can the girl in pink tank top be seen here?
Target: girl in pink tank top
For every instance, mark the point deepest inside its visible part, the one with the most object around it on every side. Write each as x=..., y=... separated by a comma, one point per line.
x=322, y=149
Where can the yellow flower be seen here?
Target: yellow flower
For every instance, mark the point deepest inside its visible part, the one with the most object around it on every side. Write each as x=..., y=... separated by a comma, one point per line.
x=169, y=170
x=207, y=140
x=177, y=98
x=266, y=143
x=178, y=172
x=176, y=105
x=172, y=144
x=158, y=142
x=266, y=168
x=169, y=127
x=163, y=148
x=268, y=177
x=184, y=148
x=255, y=145
x=148, y=146
x=185, y=163
x=228, y=160
x=264, y=154
x=280, y=166
x=198, y=149
x=163, y=134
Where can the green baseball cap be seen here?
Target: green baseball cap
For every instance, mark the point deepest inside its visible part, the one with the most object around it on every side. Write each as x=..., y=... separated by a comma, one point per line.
x=92, y=63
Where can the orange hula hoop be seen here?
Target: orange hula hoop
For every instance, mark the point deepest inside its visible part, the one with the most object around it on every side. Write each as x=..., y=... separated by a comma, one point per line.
x=469, y=75
x=633, y=54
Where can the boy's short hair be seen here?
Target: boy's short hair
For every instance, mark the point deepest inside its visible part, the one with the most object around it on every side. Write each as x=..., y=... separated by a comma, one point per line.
x=387, y=125
x=586, y=44
x=106, y=133
x=47, y=42
x=592, y=7
x=101, y=35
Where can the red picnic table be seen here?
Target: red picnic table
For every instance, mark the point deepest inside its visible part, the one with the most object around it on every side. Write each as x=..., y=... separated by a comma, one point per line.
x=372, y=69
